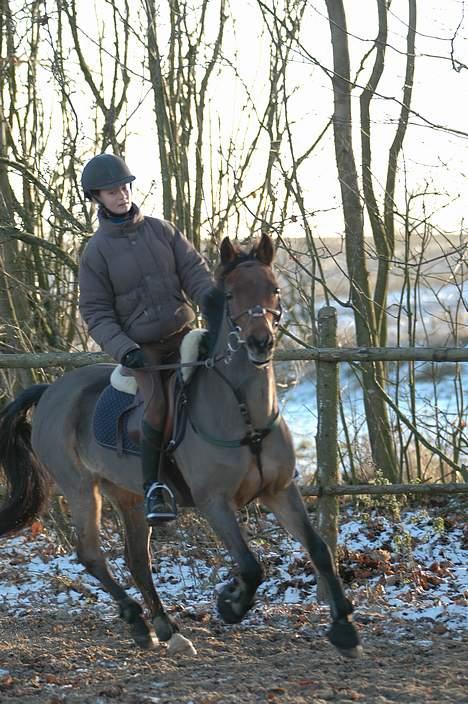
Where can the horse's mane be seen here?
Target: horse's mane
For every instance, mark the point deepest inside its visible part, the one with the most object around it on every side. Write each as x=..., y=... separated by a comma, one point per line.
x=213, y=310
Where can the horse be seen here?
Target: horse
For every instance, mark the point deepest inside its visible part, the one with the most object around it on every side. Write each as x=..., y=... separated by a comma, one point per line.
x=236, y=448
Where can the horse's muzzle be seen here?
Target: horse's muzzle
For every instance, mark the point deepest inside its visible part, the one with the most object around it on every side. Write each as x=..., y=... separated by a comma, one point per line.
x=260, y=348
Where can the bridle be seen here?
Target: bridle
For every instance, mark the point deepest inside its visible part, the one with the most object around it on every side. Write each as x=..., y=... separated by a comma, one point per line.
x=256, y=311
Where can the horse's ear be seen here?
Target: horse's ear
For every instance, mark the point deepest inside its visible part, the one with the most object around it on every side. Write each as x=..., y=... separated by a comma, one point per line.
x=265, y=251
x=227, y=251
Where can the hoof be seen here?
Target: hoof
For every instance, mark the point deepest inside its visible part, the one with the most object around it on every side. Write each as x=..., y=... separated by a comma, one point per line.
x=179, y=645
x=164, y=628
x=228, y=612
x=344, y=636
x=231, y=607
x=231, y=611
x=146, y=641
x=143, y=636
x=351, y=653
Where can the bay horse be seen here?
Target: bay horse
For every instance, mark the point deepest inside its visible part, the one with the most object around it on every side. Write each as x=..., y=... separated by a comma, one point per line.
x=236, y=449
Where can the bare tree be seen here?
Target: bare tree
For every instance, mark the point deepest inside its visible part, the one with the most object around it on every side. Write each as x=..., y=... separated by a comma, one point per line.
x=38, y=282
x=180, y=85
x=380, y=434
x=70, y=88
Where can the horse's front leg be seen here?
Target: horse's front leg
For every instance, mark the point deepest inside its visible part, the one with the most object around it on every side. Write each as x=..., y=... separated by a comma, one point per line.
x=237, y=597
x=288, y=507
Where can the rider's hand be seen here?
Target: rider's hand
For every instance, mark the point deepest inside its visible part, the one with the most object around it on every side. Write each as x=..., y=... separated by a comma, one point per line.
x=135, y=359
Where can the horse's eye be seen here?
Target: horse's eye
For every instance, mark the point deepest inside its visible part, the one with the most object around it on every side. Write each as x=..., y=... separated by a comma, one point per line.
x=277, y=290
x=228, y=295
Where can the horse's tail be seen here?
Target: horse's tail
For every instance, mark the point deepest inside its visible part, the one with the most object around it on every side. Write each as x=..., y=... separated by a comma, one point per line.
x=27, y=482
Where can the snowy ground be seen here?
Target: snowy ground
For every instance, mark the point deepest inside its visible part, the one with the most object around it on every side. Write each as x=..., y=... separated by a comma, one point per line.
x=412, y=568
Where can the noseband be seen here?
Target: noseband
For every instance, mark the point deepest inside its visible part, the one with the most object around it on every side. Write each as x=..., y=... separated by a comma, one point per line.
x=257, y=311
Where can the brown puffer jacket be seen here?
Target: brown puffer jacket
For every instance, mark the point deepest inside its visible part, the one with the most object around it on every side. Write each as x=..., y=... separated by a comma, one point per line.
x=133, y=276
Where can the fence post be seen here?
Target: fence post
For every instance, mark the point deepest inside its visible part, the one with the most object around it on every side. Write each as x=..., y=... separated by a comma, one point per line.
x=327, y=430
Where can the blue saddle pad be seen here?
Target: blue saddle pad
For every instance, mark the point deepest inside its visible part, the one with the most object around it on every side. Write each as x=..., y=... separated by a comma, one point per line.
x=110, y=406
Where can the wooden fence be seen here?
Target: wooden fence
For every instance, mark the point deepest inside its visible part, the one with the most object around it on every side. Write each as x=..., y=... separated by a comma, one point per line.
x=328, y=356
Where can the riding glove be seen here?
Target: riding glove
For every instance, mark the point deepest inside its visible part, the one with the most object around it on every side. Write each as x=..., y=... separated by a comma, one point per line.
x=135, y=359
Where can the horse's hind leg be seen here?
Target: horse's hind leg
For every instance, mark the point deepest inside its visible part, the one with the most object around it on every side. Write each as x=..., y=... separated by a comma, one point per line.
x=138, y=557
x=85, y=506
x=289, y=508
x=237, y=597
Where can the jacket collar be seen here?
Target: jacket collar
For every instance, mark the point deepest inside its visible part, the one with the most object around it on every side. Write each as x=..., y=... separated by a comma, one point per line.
x=108, y=226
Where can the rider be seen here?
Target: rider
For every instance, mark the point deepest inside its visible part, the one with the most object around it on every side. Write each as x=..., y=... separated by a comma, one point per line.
x=134, y=273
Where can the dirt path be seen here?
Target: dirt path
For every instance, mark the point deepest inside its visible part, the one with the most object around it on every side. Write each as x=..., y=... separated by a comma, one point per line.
x=61, y=642
x=51, y=658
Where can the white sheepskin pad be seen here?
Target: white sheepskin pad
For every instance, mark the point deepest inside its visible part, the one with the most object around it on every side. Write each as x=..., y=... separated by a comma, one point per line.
x=189, y=350
x=127, y=384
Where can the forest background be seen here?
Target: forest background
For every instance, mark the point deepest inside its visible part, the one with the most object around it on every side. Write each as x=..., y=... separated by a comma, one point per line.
x=337, y=127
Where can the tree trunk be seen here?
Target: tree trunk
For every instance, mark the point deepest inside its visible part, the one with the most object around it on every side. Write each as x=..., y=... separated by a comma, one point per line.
x=327, y=434
x=380, y=434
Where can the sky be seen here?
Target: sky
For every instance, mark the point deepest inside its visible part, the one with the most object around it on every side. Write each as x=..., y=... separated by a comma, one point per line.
x=433, y=159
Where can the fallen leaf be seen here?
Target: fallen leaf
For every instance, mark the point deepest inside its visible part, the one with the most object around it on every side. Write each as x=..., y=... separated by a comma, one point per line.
x=36, y=528
x=6, y=681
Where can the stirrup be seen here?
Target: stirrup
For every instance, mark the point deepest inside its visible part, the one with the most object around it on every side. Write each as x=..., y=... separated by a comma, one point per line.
x=160, y=504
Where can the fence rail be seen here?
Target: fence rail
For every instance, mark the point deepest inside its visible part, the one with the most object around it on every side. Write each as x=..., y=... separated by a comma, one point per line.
x=44, y=360
x=383, y=489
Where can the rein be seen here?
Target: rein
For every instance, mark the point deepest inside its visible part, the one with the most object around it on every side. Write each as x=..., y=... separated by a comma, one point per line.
x=208, y=363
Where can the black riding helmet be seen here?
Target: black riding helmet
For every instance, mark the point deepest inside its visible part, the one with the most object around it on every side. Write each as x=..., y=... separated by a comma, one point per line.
x=104, y=171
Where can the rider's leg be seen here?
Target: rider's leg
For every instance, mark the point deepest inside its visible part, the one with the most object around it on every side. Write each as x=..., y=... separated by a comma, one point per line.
x=159, y=499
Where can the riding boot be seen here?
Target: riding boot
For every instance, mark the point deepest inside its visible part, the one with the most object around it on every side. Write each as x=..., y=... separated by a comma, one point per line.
x=160, y=503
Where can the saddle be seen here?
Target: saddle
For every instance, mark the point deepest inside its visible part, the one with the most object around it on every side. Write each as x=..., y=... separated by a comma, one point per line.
x=119, y=409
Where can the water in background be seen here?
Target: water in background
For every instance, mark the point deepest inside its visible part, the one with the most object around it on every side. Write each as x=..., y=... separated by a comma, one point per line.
x=437, y=402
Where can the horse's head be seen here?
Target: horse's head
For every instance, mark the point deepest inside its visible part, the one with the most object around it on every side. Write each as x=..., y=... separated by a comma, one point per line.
x=252, y=296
